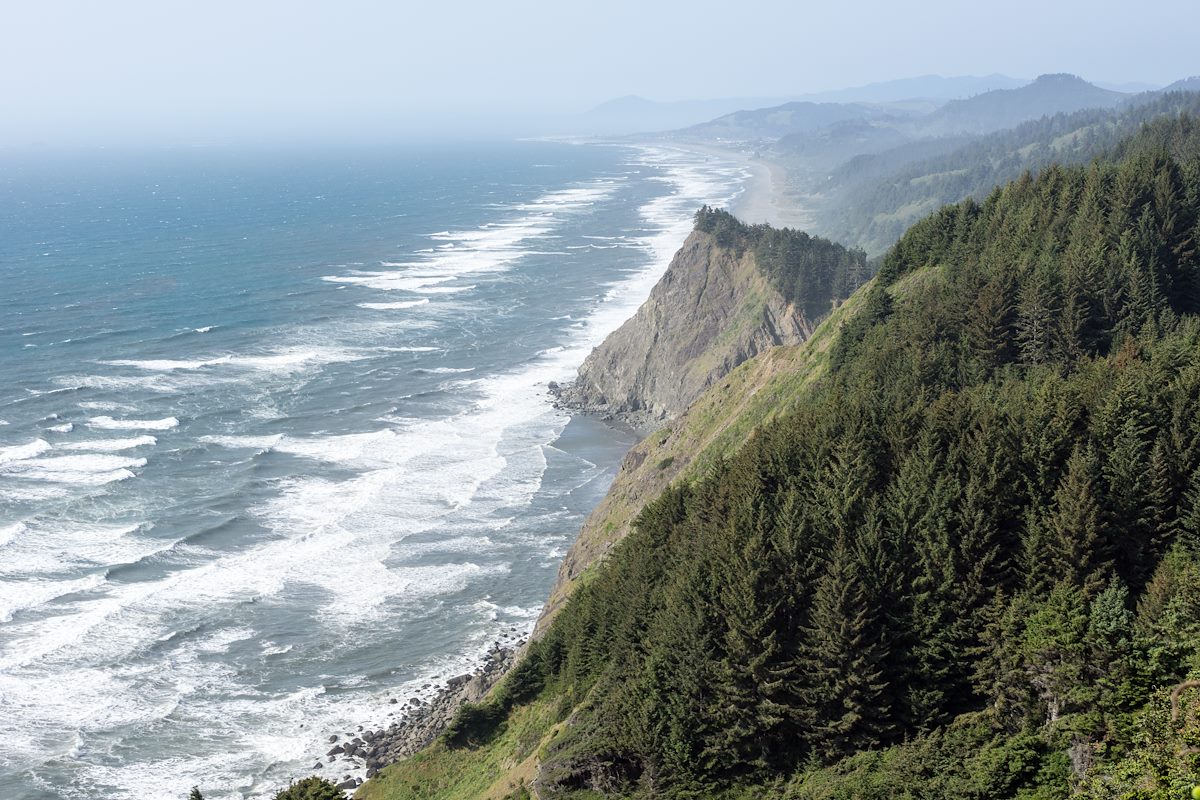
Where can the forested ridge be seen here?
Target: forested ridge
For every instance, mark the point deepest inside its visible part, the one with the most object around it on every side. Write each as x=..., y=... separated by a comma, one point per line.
x=871, y=199
x=966, y=564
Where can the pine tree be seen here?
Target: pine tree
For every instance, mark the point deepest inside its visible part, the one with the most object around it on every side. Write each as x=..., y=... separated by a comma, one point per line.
x=1055, y=652
x=989, y=326
x=747, y=702
x=1188, y=525
x=195, y=794
x=1077, y=546
x=842, y=663
x=1037, y=315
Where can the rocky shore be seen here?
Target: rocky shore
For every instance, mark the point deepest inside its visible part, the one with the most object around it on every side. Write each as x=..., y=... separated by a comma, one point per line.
x=357, y=756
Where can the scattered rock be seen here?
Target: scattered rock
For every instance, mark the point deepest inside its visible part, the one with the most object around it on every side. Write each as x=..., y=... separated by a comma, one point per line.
x=420, y=721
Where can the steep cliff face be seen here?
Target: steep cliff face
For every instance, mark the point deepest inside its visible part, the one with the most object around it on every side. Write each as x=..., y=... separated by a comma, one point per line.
x=712, y=310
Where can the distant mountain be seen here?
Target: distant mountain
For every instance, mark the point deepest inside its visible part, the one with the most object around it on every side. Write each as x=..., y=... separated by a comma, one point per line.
x=633, y=114
x=1005, y=108
x=1191, y=84
x=933, y=87
x=778, y=121
x=1130, y=87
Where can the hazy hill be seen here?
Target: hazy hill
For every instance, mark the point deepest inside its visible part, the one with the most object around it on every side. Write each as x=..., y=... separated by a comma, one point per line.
x=1004, y=108
x=777, y=121
x=633, y=114
x=933, y=87
x=871, y=199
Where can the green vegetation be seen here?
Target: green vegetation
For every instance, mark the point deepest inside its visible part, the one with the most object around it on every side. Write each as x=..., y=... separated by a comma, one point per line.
x=311, y=788
x=960, y=560
x=810, y=272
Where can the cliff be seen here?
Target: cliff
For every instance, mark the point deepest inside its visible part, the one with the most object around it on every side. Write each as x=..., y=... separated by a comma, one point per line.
x=713, y=309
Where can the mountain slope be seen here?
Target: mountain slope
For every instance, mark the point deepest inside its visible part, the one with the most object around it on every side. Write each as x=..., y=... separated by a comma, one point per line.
x=1005, y=108
x=965, y=562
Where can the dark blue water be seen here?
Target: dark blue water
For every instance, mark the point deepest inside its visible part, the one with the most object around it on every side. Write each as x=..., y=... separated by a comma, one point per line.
x=275, y=444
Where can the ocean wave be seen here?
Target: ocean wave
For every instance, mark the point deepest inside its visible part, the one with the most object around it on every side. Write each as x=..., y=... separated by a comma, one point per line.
x=21, y=452
x=491, y=247
x=82, y=470
x=248, y=442
x=108, y=423
x=395, y=306
x=109, y=445
x=167, y=365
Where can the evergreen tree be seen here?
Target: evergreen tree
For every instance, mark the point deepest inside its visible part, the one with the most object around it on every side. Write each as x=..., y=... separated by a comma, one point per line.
x=1077, y=546
x=841, y=660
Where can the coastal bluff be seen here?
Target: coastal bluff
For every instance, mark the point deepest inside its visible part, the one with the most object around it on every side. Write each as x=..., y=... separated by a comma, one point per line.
x=712, y=309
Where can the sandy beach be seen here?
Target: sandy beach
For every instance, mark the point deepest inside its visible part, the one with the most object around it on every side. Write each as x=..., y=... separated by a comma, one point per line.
x=765, y=197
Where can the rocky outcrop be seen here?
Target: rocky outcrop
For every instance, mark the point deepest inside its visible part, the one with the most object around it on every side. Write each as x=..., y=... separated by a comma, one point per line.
x=712, y=310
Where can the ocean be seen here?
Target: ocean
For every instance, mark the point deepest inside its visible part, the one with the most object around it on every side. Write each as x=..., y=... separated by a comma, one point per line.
x=276, y=446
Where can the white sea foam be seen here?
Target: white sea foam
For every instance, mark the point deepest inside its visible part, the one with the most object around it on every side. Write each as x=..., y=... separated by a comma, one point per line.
x=64, y=428
x=20, y=595
x=443, y=289
x=21, y=452
x=443, y=370
x=490, y=248
x=108, y=423
x=109, y=445
x=293, y=359
x=166, y=364
x=249, y=442
x=10, y=532
x=83, y=470
x=395, y=306
x=105, y=405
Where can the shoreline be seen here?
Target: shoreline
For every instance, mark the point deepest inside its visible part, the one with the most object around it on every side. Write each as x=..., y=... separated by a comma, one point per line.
x=417, y=721
x=764, y=198
x=359, y=755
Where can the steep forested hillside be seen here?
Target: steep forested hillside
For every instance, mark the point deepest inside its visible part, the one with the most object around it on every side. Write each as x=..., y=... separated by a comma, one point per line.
x=964, y=564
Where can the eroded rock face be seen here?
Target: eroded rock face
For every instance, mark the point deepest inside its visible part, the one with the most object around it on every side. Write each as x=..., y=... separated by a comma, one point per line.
x=712, y=310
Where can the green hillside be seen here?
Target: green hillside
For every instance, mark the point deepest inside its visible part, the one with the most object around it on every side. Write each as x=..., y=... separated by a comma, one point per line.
x=961, y=560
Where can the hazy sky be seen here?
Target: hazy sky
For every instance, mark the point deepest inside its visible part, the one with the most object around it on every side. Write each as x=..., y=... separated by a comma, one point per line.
x=213, y=69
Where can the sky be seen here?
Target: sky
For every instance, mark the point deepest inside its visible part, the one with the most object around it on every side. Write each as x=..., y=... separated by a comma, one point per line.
x=214, y=70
